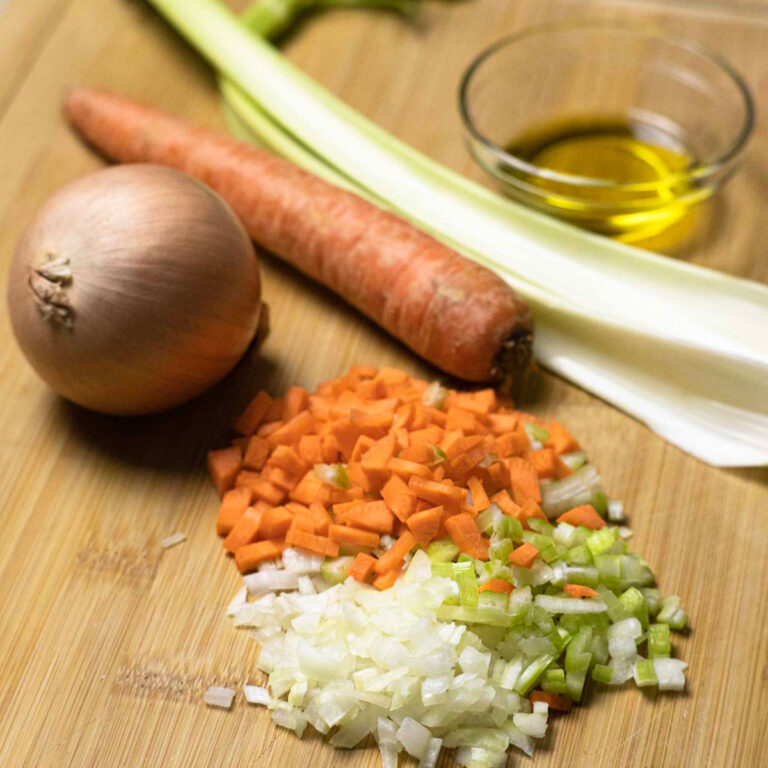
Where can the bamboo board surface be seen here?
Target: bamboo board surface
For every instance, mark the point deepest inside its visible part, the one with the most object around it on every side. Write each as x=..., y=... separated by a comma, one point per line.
x=108, y=642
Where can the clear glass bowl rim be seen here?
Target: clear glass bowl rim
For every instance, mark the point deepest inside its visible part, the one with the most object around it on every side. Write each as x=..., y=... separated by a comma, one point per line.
x=698, y=172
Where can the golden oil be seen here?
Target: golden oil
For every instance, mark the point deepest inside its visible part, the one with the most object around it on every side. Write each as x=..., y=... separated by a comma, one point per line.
x=640, y=182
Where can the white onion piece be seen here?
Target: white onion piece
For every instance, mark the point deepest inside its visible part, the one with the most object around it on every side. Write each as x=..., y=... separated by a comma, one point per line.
x=216, y=696
x=173, y=540
x=256, y=694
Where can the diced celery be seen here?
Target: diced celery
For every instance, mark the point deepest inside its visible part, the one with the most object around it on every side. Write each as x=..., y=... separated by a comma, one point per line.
x=632, y=599
x=440, y=455
x=645, y=673
x=585, y=575
x=574, y=685
x=651, y=595
x=575, y=459
x=464, y=573
x=545, y=545
x=444, y=570
x=335, y=571
x=671, y=613
x=602, y=673
x=536, y=432
x=659, y=645
x=579, y=555
x=540, y=526
x=577, y=655
x=501, y=550
x=488, y=599
x=616, y=611
x=532, y=673
x=484, y=520
x=442, y=551
x=601, y=540
x=491, y=616
x=509, y=528
x=553, y=681
x=635, y=571
x=600, y=502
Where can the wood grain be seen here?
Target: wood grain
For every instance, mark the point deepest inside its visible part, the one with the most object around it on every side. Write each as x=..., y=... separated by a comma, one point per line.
x=108, y=641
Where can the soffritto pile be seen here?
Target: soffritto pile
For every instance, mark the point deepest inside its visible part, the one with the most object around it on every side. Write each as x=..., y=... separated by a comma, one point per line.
x=431, y=567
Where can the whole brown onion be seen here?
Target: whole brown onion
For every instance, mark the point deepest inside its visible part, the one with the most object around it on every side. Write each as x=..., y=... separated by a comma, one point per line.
x=134, y=289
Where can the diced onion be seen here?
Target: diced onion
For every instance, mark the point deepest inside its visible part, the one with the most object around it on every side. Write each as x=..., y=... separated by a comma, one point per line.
x=216, y=696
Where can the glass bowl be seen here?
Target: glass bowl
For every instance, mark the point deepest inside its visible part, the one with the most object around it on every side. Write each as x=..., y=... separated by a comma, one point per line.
x=678, y=99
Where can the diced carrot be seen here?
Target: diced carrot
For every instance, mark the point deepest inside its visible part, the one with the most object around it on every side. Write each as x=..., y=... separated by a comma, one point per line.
x=234, y=503
x=428, y=436
x=421, y=454
x=291, y=432
x=346, y=434
x=524, y=480
x=512, y=444
x=398, y=497
x=321, y=517
x=466, y=536
x=375, y=425
x=505, y=503
x=374, y=461
x=458, y=418
x=386, y=580
x=340, y=510
x=524, y=555
x=577, y=590
x=274, y=523
x=395, y=554
x=311, y=449
x=389, y=375
x=560, y=439
x=462, y=465
x=438, y=472
x=281, y=479
x=363, y=371
x=407, y=469
x=275, y=410
x=266, y=429
x=303, y=521
x=345, y=534
x=362, y=445
x=331, y=449
x=482, y=401
x=254, y=414
x=286, y=458
x=372, y=516
x=267, y=491
x=241, y=443
x=552, y=700
x=250, y=556
x=459, y=444
x=544, y=462
x=498, y=475
x=224, y=465
x=402, y=440
x=531, y=509
x=308, y=489
x=480, y=500
x=256, y=453
x=245, y=530
x=362, y=566
x=403, y=416
x=561, y=468
x=296, y=400
x=424, y=525
x=437, y=493
x=585, y=515
x=496, y=585
x=435, y=417
x=320, y=544
x=501, y=423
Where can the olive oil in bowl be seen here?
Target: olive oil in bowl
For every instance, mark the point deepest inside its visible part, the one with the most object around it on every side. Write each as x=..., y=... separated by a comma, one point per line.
x=618, y=177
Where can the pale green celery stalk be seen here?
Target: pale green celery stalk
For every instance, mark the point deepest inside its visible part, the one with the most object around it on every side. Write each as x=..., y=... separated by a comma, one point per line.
x=271, y=18
x=681, y=347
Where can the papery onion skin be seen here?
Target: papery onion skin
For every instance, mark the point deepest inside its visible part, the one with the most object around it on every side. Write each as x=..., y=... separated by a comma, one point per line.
x=153, y=290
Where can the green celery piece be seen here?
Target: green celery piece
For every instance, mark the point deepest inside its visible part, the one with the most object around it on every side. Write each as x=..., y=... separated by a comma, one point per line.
x=609, y=568
x=440, y=455
x=492, y=616
x=651, y=595
x=645, y=673
x=614, y=608
x=484, y=520
x=635, y=571
x=601, y=540
x=444, y=570
x=509, y=528
x=574, y=685
x=577, y=654
x=585, y=575
x=540, y=526
x=501, y=550
x=671, y=613
x=600, y=503
x=442, y=551
x=545, y=545
x=335, y=571
x=659, y=646
x=532, y=673
x=602, y=673
x=488, y=599
x=579, y=555
x=536, y=432
x=464, y=573
x=553, y=681
x=464, y=558
x=632, y=599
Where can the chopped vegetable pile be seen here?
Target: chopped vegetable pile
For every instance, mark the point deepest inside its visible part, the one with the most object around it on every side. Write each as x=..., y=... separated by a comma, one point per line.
x=445, y=570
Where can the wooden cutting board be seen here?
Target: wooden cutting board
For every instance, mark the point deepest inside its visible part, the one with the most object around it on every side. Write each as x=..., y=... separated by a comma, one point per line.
x=107, y=642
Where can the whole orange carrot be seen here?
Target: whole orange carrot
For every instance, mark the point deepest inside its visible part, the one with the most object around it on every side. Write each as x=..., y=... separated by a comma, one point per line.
x=456, y=314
